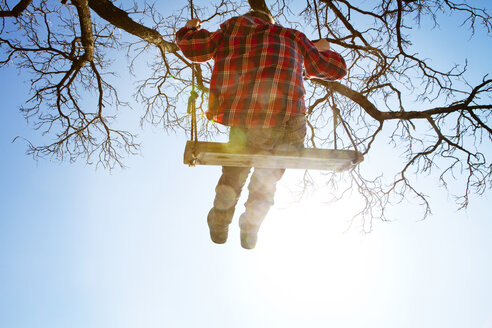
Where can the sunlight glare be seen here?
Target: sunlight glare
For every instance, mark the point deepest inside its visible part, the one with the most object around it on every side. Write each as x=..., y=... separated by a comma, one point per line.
x=313, y=261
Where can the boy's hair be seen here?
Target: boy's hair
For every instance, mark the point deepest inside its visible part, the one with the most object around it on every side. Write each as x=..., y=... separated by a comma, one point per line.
x=261, y=14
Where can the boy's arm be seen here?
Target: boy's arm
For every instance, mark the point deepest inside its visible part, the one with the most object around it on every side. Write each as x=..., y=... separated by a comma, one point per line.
x=196, y=44
x=322, y=63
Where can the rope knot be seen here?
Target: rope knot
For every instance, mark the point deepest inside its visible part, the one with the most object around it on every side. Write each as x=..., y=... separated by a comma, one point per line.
x=191, y=101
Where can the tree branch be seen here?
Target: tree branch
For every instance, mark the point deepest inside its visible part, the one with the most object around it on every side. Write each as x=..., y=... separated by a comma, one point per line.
x=378, y=115
x=119, y=18
x=87, y=38
x=18, y=9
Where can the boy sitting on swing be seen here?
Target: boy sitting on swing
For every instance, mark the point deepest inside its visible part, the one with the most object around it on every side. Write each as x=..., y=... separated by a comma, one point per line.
x=256, y=89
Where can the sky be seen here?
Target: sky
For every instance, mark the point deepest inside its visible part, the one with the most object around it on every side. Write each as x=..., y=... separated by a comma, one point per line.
x=85, y=247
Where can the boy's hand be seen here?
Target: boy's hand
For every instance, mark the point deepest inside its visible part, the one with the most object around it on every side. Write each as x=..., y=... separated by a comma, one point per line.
x=196, y=23
x=322, y=45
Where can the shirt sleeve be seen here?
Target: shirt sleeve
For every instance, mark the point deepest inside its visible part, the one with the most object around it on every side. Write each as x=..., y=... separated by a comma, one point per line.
x=198, y=45
x=326, y=65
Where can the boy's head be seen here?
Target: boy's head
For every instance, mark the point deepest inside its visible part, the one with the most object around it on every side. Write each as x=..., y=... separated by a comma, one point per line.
x=262, y=14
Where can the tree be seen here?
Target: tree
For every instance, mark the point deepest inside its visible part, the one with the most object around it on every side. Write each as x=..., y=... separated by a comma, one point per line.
x=67, y=47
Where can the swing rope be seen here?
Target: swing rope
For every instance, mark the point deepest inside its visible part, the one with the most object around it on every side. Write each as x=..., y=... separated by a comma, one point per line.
x=192, y=108
x=192, y=99
x=336, y=112
x=334, y=108
x=317, y=18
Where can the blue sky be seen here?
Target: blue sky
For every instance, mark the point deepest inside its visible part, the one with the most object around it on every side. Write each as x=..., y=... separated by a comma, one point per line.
x=81, y=247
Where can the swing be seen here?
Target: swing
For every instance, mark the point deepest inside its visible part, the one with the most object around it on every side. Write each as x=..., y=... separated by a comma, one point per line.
x=226, y=154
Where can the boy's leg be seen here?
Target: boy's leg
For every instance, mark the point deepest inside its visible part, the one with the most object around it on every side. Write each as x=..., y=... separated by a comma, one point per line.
x=261, y=197
x=227, y=194
x=263, y=182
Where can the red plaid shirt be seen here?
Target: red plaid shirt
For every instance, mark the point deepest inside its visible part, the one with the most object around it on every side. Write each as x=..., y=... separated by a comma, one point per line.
x=257, y=79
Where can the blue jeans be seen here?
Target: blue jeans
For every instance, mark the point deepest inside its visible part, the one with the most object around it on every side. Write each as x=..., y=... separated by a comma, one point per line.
x=263, y=182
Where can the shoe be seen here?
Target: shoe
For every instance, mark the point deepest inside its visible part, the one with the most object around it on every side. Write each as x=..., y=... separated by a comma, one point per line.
x=249, y=238
x=218, y=232
x=249, y=230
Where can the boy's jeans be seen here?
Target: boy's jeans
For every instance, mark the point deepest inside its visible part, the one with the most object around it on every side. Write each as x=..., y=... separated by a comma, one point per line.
x=263, y=180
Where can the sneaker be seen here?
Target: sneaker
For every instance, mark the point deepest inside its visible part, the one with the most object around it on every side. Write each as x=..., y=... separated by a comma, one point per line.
x=249, y=231
x=249, y=238
x=218, y=232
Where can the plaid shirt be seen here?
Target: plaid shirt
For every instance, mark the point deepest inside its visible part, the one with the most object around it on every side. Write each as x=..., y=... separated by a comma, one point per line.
x=257, y=79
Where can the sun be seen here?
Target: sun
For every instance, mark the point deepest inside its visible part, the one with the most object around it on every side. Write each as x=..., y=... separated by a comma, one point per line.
x=309, y=258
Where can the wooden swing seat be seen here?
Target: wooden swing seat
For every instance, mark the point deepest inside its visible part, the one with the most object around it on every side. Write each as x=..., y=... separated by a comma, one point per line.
x=225, y=154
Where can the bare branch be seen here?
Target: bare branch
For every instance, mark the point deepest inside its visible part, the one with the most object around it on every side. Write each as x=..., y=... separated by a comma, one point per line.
x=119, y=18
x=17, y=10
